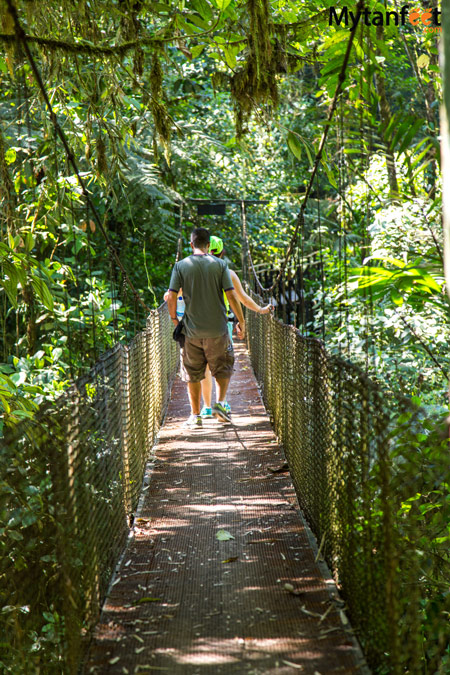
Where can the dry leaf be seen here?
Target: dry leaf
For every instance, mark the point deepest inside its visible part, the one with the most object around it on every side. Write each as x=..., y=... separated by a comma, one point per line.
x=279, y=469
x=326, y=613
x=292, y=589
x=293, y=665
x=229, y=560
x=343, y=617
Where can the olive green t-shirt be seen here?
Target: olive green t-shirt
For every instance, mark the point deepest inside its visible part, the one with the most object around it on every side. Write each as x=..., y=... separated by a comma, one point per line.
x=203, y=279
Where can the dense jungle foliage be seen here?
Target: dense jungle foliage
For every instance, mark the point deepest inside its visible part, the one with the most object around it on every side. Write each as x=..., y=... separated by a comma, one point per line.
x=162, y=103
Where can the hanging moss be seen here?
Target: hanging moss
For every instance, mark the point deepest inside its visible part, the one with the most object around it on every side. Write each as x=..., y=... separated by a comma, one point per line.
x=102, y=164
x=130, y=28
x=220, y=81
x=156, y=77
x=255, y=83
x=7, y=24
x=7, y=193
x=161, y=118
x=138, y=61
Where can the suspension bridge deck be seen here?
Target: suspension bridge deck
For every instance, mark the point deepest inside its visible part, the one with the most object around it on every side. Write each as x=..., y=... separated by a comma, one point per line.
x=184, y=601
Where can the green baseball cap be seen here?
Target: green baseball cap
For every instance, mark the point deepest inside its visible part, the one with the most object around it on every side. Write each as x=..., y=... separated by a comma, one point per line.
x=215, y=245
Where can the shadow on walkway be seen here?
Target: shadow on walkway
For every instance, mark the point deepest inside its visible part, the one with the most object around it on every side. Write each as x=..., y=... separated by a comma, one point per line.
x=184, y=601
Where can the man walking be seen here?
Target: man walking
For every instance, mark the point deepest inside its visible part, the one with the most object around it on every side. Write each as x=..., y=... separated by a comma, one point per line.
x=204, y=280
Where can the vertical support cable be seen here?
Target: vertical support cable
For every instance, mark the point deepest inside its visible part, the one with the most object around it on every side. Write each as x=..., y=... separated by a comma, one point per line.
x=244, y=241
x=322, y=278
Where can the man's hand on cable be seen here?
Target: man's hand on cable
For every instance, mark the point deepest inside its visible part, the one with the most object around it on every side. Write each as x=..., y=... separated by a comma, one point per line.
x=266, y=310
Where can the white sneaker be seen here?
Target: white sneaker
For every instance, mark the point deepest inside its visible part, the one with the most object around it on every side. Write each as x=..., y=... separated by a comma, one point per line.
x=193, y=422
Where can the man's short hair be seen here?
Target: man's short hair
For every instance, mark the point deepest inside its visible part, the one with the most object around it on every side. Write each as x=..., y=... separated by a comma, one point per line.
x=200, y=237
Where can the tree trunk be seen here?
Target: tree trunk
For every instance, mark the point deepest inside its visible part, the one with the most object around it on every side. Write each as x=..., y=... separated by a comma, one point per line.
x=28, y=296
x=445, y=143
x=385, y=114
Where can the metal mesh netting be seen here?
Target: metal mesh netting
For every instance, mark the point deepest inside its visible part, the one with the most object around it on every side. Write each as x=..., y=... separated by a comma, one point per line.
x=70, y=481
x=372, y=476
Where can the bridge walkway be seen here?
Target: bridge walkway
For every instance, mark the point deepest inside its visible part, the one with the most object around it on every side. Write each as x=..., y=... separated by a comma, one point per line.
x=257, y=602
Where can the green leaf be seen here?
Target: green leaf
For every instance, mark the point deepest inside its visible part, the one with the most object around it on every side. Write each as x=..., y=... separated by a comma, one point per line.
x=57, y=353
x=222, y=4
x=330, y=174
x=294, y=145
x=203, y=8
x=230, y=57
x=29, y=242
x=396, y=297
x=423, y=61
x=160, y=7
x=18, y=378
x=419, y=158
x=223, y=535
x=412, y=131
x=10, y=156
x=11, y=291
x=196, y=50
x=42, y=292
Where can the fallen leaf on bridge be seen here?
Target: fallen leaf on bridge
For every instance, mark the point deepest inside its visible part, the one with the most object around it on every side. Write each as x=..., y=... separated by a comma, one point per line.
x=223, y=535
x=278, y=469
x=293, y=665
x=293, y=590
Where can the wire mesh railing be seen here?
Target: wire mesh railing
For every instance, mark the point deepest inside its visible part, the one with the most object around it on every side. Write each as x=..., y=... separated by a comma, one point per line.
x=69, y=484
x=372, y=475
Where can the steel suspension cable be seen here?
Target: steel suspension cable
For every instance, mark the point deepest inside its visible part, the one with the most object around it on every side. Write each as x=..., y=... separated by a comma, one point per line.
x=322, y=276
x=318, y=157
x=66, y=293
x=180, y=235
x=343, y=177
x=91, y=293
x=340, y=216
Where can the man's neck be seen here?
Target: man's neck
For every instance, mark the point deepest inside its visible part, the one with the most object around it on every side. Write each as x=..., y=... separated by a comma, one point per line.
x=199, y=251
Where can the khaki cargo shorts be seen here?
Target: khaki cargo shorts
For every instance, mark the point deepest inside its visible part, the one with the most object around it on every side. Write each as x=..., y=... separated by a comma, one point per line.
x=217, y=352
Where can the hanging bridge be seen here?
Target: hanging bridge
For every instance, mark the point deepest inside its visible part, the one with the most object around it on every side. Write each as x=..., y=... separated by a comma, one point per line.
x=72, y=485
x=91, y=513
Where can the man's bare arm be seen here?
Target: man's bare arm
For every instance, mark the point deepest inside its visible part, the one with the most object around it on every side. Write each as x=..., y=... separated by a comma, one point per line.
x=172, y=305
x=237, y=311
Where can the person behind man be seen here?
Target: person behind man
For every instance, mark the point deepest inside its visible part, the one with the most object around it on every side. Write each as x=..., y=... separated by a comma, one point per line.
x=204, y=279
x=216, y=249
